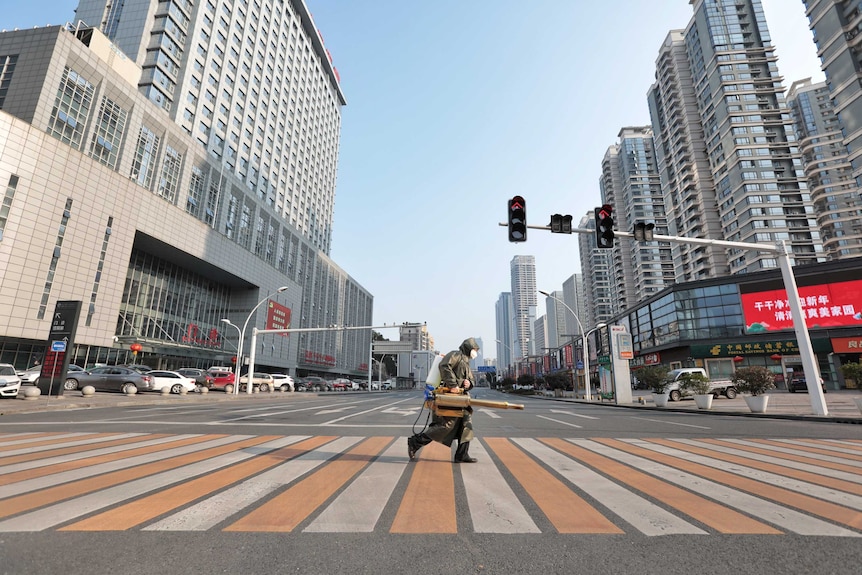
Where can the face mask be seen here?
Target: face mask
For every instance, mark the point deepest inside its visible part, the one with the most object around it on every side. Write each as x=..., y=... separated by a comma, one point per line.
x=474, y=354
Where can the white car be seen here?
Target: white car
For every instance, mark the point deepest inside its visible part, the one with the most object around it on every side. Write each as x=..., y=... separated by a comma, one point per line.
x=10, y=383
x=171, y=379
x=262, y=381
x=282, y=381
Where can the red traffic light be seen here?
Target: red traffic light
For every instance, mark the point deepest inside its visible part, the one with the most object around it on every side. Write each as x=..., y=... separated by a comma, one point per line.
x=517, y=219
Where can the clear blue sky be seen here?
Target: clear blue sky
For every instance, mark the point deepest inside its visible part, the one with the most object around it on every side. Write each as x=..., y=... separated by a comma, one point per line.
x=455, y=106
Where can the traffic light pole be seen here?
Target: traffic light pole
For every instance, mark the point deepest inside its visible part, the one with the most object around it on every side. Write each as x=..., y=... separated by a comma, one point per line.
x=803, y=339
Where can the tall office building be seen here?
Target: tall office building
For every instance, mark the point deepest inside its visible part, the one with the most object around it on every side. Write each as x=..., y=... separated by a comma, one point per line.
x=744, y=130
x=523, y=275
x=504, y=314
x=254, y=84
x=114, y=199
x=630, y=182
x=684, y=171
x=828, y=169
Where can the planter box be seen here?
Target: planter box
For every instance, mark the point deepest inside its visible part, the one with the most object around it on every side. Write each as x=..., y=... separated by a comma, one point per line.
x=703, y=401
x=757, y=403
x=660, y=399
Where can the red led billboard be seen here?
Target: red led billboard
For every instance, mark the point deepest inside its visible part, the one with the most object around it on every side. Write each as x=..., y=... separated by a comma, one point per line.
x=824, y=305
x=277, y=316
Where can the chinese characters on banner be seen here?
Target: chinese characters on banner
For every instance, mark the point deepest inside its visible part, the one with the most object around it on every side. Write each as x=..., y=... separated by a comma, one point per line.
x=824, y=305
x=277, y=317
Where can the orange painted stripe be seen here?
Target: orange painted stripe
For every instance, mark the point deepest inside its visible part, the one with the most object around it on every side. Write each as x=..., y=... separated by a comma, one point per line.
x=28, y=501
x=811, y=505
x=835, y=445
x=721, y=518
x=290, y=508
x=148, y=508
x=428, y=505
x=54, y=441
x=26, y=474
x=568, y=512
x=807, y=449
x=25, y=436
x=788, y=456
x=769, y=467
x=57, y=467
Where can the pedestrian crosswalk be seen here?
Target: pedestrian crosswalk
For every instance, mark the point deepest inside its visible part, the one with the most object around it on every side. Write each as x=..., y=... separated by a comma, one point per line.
x=350, y=484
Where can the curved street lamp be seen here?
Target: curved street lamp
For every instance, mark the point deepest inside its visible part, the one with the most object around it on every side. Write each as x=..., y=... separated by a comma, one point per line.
x=511, y=356
x=588, y=393
x=242, y=338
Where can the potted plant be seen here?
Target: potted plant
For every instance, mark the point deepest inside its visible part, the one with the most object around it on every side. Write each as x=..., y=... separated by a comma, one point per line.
x=853, y=372
x=754, y=381
x=697, y=384
x=655, y=377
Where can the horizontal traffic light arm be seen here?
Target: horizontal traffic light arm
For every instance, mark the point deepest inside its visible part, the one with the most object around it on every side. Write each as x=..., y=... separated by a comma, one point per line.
x=677, y=239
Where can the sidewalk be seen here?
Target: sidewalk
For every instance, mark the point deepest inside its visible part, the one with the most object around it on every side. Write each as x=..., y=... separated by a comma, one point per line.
x=783, y=405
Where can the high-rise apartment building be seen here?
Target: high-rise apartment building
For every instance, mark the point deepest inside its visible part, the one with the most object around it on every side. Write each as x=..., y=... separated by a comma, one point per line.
x=630, y=182
x=748, y=136
x=828, y=169
x=417, y=335
x=555, y=319
x=254, y=84
x=835, y=24
x=596, y=267
x=523, y=276
x=684, y=170
x=573, y=295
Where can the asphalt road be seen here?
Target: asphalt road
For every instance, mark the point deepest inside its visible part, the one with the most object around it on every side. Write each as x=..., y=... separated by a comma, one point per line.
x=321, y=484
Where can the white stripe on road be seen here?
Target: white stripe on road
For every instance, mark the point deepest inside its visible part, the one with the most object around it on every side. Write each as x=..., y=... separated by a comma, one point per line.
x=643, y=515
x=784, y=517
x=808, y=454
x=672, y=423
x=89, y=438
x=214, y=510
x=560, y=422
x=494, y=507
x=358, y=508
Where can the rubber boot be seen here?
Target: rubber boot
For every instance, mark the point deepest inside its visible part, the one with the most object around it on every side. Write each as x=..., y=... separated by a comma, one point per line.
x=415, y=443
x=461, y=455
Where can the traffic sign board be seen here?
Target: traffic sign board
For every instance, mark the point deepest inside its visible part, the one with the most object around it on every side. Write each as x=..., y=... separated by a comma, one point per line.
x=580, y=364
x=487, y=368
x=58, y=346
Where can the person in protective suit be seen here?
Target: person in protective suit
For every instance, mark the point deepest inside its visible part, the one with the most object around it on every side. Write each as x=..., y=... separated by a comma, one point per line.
x=454, y=373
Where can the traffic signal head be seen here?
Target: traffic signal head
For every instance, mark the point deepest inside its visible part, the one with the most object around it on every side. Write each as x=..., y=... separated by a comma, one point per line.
x=561, y=224
x=644, y=231
x=604, y=227
x=517, y=219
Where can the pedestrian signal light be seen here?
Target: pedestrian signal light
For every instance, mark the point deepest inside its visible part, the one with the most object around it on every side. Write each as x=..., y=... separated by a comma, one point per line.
x=604, y=227
x=561, y=224
x=644, y=231
x=517, y=219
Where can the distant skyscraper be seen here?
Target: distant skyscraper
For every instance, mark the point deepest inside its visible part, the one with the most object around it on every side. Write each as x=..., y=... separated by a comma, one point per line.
x=254, y=84
x=573, y=295
x=830, y=174
x=596, y=266
x=523, y=274
x=505, y=332
x=555, y=320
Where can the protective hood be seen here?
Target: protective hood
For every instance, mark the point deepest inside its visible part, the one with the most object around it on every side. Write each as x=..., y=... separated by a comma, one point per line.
x=468, y=345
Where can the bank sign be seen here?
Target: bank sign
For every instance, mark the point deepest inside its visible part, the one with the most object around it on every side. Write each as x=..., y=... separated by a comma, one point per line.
x=824, y=305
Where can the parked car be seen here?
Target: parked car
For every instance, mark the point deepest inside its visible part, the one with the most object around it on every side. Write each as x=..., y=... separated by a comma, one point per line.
x=171, y=379
x=341, y=384
x=315, y=383
x=31, y=374
x=282, y=381
x=10, y=383
x=263, y=381
x=108, y=378
x=139, y=367
x=799, y=384
x=201, y=377
x=222, y=379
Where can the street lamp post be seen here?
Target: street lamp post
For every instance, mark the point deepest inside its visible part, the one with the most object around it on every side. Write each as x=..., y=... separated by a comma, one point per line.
x=242, y=337
x=588, y=393
x=238, y=348
x=511, y=355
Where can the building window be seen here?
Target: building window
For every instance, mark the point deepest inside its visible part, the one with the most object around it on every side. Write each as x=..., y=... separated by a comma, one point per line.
x=55, y=259
x=11, y=187
x=108, y=135
x=144, y=162
x=170, y=174
x=91, y=309
x=7, y=66
x=71, y=108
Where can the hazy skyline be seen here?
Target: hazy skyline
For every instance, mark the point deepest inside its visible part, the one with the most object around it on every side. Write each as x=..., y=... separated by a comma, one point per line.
x=454, y=107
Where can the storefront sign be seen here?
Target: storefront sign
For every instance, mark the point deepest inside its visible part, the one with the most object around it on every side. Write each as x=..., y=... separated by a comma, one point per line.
x=646, y=359
x=315, y=358
x=847, y=344
x=824, y=305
